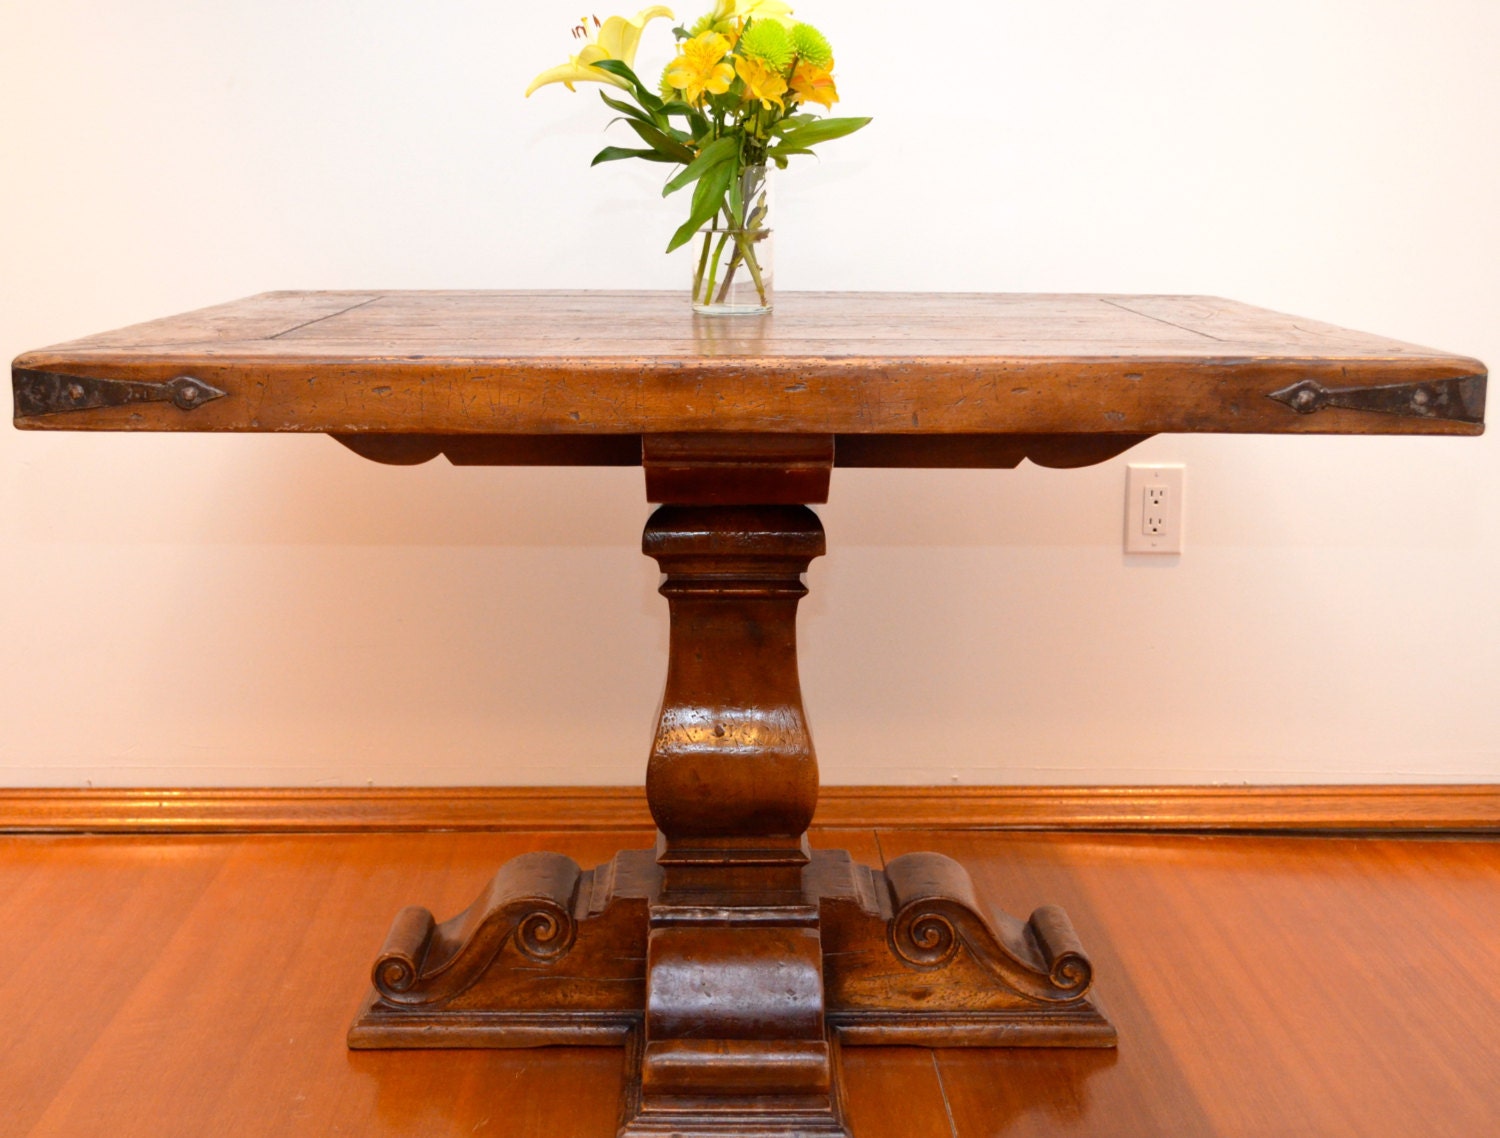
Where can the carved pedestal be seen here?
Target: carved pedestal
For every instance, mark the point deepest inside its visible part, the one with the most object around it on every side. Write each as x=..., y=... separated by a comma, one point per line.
x=731, y=960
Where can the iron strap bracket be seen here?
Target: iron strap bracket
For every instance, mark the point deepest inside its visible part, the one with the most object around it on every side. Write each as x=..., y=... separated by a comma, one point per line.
x=50, y=393
x=1460, y=400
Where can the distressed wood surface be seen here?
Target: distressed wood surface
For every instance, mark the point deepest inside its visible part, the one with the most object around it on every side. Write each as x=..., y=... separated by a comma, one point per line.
x=185, y=986
x=853, y=364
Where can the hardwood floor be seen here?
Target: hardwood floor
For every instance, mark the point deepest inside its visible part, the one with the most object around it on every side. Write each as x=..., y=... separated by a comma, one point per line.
x=165, y=986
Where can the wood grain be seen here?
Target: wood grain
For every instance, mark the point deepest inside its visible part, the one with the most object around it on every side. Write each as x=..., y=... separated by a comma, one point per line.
x=609, y=364
x=1260, y=986
x=187, y=985
x=1389, y=809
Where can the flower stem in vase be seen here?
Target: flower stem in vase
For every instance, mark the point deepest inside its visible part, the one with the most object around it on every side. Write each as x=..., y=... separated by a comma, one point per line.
x=747, y=244
x=702, y=264
x=713, y=269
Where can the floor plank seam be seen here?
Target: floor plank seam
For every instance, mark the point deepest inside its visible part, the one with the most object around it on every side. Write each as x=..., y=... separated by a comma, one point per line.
x=943, y=1091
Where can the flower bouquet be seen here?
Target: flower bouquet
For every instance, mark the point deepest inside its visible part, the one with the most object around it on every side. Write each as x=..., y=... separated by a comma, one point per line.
x=729, y=104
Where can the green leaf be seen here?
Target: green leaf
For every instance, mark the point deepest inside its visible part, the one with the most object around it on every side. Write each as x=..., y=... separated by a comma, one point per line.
x=781, y=126
x=736, y=201
x=728, y=103
x=625, y=108
x=808, y=134
x=621, y=70
x=708, y=199
x=661, y=140
x=699, y=123
x=615, y=153
x=720, y=150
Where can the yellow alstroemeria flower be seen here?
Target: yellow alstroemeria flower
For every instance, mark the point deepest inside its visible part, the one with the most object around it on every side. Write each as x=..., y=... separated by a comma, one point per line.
x=813, y=84
x=701, y=67
x=616, y=38
x=761, y=82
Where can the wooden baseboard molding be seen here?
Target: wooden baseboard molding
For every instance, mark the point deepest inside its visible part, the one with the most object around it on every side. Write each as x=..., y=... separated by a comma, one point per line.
x=1384, y=809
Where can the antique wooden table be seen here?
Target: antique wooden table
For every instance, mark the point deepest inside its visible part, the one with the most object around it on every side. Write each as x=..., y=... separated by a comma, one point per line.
x=731, y=959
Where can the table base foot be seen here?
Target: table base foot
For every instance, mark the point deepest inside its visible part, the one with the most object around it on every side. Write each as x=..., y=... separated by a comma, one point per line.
x=913, y=957
x=548, y=954
x=379, y=1027
x=733, y=1012
x=819, y=1114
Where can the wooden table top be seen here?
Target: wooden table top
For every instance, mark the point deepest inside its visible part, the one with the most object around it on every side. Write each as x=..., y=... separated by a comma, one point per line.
x=851, y=364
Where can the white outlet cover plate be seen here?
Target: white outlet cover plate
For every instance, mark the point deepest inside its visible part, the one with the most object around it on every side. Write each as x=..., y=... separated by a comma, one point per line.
x=1168, y=535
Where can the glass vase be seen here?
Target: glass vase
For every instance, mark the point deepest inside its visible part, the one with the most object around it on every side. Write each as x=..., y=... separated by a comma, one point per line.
x=732, y=264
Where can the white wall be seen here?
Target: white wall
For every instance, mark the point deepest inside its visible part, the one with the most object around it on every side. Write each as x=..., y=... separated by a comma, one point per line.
x=178, y=609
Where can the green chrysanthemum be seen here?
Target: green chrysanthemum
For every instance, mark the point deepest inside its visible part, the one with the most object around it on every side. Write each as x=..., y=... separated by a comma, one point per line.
x=665, y=89
x=811, y=45
x=767, y=41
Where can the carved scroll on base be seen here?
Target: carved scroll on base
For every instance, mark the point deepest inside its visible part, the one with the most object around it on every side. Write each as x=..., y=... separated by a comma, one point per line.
x=913, y=957
x=548, y=954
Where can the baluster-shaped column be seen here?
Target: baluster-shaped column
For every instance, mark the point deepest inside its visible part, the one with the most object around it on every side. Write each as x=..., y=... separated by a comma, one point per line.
x=732, y=780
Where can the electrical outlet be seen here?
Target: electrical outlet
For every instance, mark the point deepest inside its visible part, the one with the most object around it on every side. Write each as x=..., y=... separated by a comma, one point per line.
x=1154, y=522
x=1153, y=508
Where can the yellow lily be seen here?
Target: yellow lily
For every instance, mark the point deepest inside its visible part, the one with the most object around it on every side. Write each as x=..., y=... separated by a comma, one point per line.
x=761, y=9
x=729, y=16
x=616, y=38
